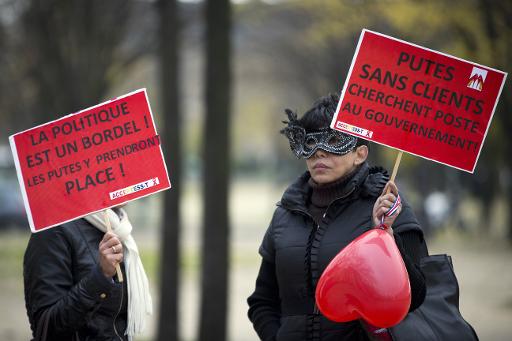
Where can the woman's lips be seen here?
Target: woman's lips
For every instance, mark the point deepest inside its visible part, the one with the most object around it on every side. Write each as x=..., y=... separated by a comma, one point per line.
x=320, y=166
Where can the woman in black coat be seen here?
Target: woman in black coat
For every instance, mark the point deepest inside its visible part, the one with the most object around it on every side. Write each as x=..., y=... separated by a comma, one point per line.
x=71, y=284
x=335, y=201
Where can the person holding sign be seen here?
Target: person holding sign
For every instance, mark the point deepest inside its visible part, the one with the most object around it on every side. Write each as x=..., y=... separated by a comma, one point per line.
x=335, y=201
x=71, y=288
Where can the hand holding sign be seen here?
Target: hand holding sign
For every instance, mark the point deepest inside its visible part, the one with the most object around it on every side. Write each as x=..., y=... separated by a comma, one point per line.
x=387, y=207
x=111, y=254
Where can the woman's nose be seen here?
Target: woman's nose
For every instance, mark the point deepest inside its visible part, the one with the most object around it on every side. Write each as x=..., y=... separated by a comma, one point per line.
x=320, y=153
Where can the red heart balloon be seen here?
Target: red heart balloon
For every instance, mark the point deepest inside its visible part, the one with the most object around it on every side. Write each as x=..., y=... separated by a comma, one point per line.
x=368, y=280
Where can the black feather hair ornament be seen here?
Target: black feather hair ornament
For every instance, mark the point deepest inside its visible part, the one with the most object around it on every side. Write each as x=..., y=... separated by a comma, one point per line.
x=295, y=133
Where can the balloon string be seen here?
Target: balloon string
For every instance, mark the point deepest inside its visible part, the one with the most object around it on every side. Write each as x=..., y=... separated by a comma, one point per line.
x=392, y=210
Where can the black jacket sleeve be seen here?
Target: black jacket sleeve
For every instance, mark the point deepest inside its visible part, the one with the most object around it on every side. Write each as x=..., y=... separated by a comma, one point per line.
x=49, y=284
x=264, y=303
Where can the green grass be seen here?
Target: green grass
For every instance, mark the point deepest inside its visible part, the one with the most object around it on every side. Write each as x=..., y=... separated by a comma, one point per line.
x=150, y=258
x=13, y=244
x=190, y=261
x=12, y=248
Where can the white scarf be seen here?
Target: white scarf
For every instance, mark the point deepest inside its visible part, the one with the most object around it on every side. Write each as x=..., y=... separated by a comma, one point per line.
x=139, y=298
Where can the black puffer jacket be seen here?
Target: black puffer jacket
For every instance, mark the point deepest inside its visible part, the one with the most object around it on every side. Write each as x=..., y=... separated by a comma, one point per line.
x=62, y=273
x=296, y=251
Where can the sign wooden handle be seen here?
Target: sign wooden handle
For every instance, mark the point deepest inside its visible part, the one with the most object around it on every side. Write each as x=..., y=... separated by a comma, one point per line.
x=109, y=229
x=395, y=168
x=397, y=163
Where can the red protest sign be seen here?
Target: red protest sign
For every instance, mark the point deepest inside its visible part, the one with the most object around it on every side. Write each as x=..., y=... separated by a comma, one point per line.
x=82, y=163
x=418, y=100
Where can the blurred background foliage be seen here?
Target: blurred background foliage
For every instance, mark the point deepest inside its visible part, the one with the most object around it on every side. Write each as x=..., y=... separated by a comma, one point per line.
x=60, y=56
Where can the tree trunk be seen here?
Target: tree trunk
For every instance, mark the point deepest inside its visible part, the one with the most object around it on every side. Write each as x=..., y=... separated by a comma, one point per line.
x=169, y=94
x=72, y=47
x=216, y=158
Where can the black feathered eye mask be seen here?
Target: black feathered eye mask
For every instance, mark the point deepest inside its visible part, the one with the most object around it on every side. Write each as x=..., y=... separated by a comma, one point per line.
x=304, y=145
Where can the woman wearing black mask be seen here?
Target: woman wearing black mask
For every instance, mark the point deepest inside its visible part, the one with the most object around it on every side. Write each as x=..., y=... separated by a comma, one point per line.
x=337, y=199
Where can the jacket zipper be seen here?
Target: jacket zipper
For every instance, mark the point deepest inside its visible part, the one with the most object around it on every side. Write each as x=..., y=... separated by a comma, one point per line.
x=118, y=311
x=303, y=212
x=337, y=199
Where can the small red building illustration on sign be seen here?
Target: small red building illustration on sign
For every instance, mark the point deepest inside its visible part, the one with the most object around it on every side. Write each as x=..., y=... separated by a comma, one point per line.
x=477, y=79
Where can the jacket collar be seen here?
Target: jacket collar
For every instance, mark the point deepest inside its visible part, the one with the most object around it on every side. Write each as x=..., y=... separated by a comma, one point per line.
x=366, y=182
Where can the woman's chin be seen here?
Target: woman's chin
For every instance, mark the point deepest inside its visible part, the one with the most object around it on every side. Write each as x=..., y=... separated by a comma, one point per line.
x=322, y=177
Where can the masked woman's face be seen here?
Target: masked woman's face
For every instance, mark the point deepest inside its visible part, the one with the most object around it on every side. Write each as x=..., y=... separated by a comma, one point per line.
x=326, y=167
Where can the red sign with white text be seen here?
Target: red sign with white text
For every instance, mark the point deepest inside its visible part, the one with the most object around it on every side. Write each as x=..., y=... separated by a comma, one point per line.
x=85, y=162
x=418, y=100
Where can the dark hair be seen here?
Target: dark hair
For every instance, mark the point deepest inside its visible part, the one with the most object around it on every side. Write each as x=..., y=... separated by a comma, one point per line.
x=321, y=114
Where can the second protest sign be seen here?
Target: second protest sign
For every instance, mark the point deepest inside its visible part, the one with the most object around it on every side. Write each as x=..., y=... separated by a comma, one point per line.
x=418, y=100
x=98, y=158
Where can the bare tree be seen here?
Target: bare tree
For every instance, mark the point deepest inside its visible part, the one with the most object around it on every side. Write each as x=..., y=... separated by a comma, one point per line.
x=74, y=51
x=169, y=261
x=216, y=158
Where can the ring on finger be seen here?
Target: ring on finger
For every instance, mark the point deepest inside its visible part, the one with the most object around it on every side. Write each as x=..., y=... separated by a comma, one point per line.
x=114, y=249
